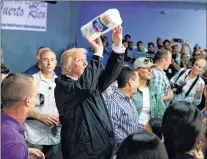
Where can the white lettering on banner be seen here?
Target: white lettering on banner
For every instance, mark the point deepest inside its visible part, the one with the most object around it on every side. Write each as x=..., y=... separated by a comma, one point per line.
x=24, y=15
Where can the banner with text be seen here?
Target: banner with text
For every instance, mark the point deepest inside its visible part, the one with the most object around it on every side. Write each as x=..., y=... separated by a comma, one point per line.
x=24, y=15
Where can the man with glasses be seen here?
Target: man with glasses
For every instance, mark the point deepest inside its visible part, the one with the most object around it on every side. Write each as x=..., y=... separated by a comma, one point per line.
x=43, y=132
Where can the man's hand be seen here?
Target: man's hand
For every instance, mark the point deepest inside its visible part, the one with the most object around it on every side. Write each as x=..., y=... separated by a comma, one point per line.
x=170, y=94
x=97, y=45
x=117, y=36
x=205, y=91
x=50, y=120
x=197, y=152
x=35, y=153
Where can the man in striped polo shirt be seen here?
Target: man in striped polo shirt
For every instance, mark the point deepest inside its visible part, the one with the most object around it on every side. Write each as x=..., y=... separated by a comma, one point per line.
x=121, y=106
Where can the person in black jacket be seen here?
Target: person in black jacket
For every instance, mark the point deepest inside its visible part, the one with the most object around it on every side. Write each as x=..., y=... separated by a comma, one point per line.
x=87, y=130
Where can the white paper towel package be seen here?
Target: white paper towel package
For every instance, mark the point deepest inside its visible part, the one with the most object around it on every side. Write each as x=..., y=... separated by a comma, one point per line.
x=102, y=24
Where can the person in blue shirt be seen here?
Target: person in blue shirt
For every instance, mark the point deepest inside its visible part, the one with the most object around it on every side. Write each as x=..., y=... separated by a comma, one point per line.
x=36, y=68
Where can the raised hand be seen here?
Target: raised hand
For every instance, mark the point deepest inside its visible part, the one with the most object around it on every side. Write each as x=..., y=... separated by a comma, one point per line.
x=117, y=36
x=97, y=45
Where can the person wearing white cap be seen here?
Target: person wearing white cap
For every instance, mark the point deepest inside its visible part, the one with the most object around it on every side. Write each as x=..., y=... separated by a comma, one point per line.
x=148, y=99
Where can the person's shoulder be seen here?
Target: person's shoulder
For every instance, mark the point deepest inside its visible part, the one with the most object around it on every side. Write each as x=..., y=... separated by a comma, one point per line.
x=64, y=82
x=36, y=74
x=155, y=69
x=201, y=81
x=156, y=72
x=113, y=98
x=152, y=86
x=8, y=132
x=32, y=70
x=14, y=151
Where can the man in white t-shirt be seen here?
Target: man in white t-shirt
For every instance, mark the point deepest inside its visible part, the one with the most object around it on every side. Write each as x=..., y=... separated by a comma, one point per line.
x=148, y=99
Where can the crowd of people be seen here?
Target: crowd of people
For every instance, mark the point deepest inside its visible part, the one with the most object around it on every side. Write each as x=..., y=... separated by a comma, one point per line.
x=144, y=103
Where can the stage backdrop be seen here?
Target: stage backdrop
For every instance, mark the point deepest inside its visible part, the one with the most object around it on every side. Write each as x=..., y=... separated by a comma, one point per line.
x=24, y=15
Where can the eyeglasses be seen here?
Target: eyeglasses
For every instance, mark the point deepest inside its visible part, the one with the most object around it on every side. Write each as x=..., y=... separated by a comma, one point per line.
x=196, y=54
x=41, y=99
x=148, y=60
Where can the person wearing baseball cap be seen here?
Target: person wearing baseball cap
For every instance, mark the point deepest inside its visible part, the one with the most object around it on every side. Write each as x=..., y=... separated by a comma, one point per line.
x=148, y=99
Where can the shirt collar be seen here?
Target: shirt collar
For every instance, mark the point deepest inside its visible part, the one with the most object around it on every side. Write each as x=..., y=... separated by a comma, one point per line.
x=44, y=79
x=122, y=95
x=161, y=70
x=15, y=123
x=74, y=78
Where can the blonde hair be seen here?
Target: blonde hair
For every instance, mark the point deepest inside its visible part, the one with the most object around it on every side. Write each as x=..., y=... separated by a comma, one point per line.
x=67, y=56
x=204, y=62
x=15, y=87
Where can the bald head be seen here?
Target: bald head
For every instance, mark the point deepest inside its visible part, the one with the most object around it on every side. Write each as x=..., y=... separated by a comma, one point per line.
x=40, y=50
x=48, y=61
x=46, y=53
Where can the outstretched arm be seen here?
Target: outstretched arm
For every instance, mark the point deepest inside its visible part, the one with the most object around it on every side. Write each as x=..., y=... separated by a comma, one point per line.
x=115, y=62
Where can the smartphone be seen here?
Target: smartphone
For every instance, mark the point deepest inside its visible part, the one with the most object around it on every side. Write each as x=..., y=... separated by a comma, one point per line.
x=177, y=40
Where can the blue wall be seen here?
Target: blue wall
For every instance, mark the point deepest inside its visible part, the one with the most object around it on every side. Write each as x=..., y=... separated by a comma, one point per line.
x=20, y=47
x=144, y=21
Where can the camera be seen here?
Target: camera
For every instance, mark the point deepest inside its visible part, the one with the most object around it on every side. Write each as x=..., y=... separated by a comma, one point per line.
x=177, y=87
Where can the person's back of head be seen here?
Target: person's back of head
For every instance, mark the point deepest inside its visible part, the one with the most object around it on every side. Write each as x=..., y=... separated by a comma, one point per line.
x=142, y=145
x=181, y=126
x=125, y=75
x=156, y=126
x=18, y=90
x=161, y=54
x=163, y=58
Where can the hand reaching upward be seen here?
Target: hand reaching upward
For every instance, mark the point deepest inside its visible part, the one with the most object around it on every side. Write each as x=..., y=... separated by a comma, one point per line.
x=117, y=36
